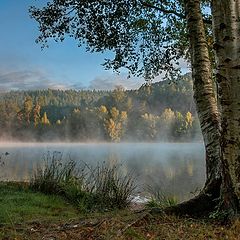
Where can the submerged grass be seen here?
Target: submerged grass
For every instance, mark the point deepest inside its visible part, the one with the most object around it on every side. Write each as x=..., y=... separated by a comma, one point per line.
x=102, y=187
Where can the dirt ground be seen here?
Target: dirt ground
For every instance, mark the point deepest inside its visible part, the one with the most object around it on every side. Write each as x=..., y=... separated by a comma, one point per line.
x=135, y=225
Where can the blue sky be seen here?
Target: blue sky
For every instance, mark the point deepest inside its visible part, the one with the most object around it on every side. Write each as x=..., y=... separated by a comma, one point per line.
x=23, y=65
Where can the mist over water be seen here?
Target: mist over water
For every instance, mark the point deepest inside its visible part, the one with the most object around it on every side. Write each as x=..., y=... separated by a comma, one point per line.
x=177, y=168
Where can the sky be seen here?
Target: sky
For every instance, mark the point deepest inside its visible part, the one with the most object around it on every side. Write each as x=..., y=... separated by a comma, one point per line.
x=25, y=66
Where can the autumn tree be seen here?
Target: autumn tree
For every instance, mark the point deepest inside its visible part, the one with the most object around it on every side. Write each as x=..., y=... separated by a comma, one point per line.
x=149, y=126
x=27, y=109
x=189, y=119
x=8, y=119
x=179, y=125
x=45, y=120
x=115, y=124
x=36, y=114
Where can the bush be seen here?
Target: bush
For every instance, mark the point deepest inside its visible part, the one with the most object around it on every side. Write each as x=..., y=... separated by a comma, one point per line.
x=102, y=187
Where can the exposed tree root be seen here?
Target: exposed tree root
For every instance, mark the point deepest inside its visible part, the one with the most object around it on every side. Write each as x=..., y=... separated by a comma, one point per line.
x=198, y=206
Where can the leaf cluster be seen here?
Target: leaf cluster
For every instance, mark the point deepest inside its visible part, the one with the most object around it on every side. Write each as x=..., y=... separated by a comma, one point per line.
x=146, y=37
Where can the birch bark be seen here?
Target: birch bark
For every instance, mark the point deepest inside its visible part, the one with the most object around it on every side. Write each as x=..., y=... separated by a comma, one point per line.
x=226, y=27
x=208, y=113
x=204, y=94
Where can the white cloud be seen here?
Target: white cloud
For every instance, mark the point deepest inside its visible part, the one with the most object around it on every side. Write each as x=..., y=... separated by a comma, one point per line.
x=39, y=79
x=21, y=79
x=28, y=80
x=109, y=82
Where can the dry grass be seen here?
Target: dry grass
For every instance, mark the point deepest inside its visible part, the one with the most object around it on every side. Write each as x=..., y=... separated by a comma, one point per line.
x=124, y=225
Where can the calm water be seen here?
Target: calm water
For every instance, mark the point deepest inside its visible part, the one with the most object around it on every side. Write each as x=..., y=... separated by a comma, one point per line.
x=176, y=168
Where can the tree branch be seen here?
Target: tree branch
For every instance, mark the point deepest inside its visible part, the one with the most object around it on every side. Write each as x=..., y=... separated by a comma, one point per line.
x=161, y=9
x=167, y=11
x=207, y=21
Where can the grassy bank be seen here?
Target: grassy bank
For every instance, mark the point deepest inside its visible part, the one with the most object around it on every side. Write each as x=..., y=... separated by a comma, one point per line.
x=27, y=215
x=63, y=201
x=19, y=206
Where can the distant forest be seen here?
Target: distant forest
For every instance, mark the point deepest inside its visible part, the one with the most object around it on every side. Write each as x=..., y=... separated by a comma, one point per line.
x=162, y=111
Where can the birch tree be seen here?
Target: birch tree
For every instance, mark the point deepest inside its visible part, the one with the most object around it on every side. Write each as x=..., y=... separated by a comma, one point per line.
x=207, y=108
x=148, y=38
x=226, y=26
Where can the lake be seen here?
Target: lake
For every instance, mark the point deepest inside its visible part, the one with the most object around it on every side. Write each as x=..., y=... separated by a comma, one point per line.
x=176, y=168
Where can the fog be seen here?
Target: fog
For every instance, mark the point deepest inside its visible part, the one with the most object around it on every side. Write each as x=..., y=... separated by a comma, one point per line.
x=176, y=168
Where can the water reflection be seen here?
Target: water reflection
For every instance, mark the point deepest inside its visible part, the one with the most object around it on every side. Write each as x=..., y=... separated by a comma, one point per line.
x=176, y=168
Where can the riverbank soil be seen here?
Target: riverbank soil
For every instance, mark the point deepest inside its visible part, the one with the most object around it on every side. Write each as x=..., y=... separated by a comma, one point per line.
x=25, y=215
x=122, y=226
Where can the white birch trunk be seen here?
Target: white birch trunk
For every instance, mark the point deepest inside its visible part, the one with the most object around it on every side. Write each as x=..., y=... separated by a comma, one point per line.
x=208, y=113
x=226, y=26
x=204, y=93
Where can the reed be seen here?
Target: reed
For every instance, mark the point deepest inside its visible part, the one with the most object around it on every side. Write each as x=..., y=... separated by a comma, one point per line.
x=101, y=187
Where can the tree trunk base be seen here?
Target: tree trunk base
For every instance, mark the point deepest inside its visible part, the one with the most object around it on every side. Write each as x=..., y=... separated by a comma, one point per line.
x=199, y=206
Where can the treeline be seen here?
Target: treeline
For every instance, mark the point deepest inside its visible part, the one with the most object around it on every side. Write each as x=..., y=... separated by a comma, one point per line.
x=157, y=112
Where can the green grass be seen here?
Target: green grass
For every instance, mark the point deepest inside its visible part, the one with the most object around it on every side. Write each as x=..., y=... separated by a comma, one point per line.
x=159, y=198
x=18, y=204
x=27, y=215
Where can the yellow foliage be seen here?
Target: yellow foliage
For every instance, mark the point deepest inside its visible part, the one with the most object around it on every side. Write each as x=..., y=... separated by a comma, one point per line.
x=45, y=120
x=123, y=116
x=112, y=129
x=189, y=119
x=114, y=113
x=103, y=109
x=168, y=115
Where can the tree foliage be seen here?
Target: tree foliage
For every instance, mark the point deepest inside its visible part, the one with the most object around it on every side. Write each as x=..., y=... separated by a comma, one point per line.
x=146, y=37
x=108, y=116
